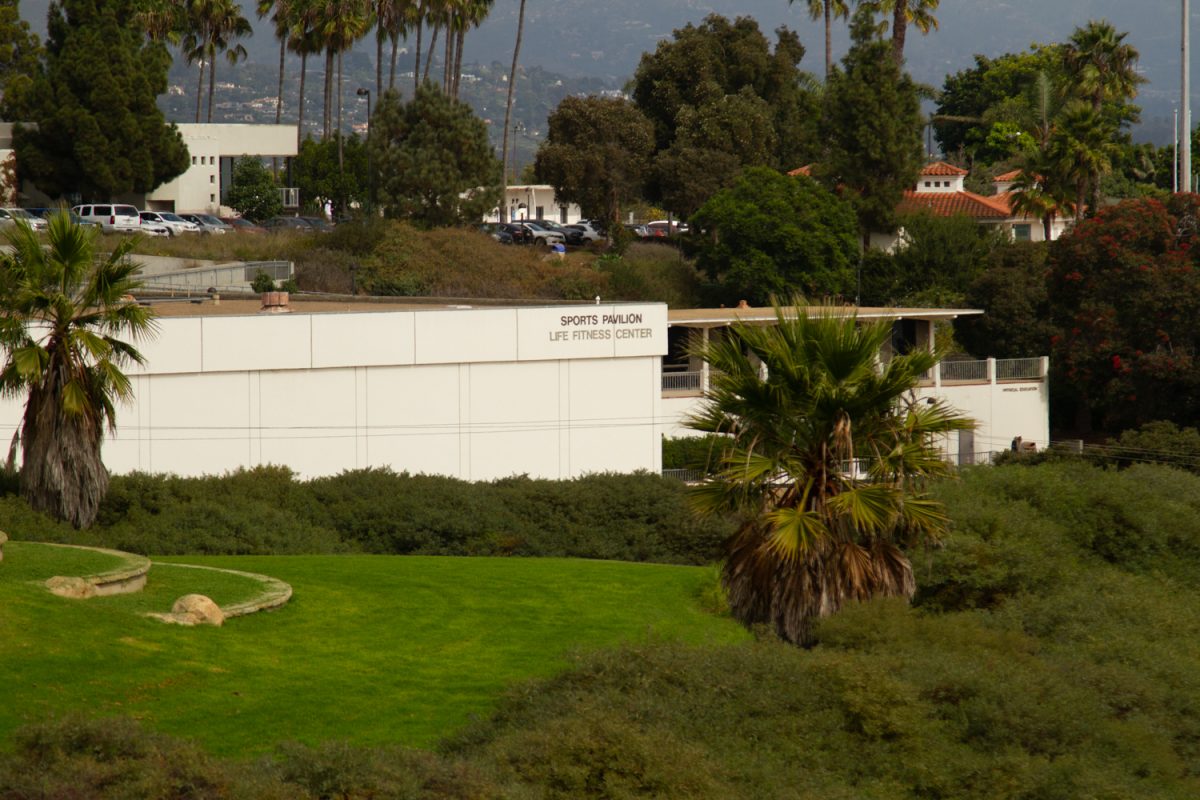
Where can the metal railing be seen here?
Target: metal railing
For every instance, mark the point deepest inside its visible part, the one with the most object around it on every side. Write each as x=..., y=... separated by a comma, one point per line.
x=965, y=371
x=228, y=277
x=681, y=381
x=1019, y=369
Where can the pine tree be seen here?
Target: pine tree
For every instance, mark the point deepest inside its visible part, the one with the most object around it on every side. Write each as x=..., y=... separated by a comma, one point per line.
x=19, y=58
x=872, y=124
x=97, y=130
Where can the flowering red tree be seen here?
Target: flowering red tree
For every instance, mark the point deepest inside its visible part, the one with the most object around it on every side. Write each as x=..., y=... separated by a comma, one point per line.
x=1124, y=290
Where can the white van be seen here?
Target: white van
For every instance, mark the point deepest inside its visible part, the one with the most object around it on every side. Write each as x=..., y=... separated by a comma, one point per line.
x=111, y=217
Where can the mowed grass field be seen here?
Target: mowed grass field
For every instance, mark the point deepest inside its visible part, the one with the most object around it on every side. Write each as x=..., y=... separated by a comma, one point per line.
x=371, y=649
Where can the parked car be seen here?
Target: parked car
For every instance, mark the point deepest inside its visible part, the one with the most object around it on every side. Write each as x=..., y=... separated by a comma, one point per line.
x=294, y=224
x=23, y=215
x=173, y=223
x=319, y=224
x=207, y=223
x=640, y=231
x=497, y=232
x=243, y=225
x=543, y=236
x=519, y=235
x=661, y=228
x=592, y=231
x=47, y=213
x=153, y=228
x=112, y=217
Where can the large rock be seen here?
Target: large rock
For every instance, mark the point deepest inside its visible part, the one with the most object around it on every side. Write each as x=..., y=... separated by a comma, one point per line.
x=196, y=609
x=74, y=588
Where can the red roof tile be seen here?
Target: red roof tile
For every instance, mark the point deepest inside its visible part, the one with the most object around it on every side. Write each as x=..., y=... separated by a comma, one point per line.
x=1007, y=177
x=805, y=170
x=941, y=168
x=947, y=204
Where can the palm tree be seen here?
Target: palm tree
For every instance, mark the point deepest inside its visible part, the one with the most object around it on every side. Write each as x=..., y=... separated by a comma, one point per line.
x=905, y=13
x=1038, y=196
x=829, y=9
x=64, y=310
x=826, y=460
x=304, y=41
x=471, y=15
x=512, y=80
x=391, y=22
x=1100, y=65
x=213, y=26
x=1081, y=149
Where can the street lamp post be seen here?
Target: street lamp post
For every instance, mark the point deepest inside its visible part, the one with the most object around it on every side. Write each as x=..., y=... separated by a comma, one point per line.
x=363, y=92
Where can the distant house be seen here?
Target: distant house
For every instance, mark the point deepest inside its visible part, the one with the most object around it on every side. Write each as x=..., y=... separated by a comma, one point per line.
x=940, y=190
x=534, y=201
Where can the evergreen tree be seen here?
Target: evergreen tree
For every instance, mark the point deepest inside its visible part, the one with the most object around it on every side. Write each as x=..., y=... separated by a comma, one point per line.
x=596, y=154
x=253, y=192
x=20, y=54
x=872, y=127
x=97, y=130
x=432, y=159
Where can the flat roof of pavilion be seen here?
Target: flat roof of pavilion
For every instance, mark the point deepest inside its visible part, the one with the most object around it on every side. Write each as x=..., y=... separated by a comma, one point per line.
x=204, y=306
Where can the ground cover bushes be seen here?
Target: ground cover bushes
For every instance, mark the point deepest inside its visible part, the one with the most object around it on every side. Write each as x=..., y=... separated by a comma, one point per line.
x=267, y=511
x=1052, y=652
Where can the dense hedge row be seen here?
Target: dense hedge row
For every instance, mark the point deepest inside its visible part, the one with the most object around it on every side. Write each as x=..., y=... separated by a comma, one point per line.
x=267, y=511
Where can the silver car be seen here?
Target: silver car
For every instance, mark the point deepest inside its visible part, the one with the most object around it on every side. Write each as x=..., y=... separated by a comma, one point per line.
x=173, y=223
x=23, y=216
x=208, y=223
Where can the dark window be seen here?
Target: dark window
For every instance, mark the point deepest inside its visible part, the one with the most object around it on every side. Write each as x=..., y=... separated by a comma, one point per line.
x=904, y=336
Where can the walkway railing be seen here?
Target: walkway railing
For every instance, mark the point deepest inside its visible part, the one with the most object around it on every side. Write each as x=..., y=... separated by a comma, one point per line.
x=947, y=372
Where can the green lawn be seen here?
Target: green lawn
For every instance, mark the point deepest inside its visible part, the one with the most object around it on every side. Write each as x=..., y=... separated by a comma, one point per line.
x=371, y=649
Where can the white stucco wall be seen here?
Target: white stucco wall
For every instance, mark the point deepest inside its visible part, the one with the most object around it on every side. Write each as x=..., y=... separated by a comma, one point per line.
x=477, y=394
x=198, y=189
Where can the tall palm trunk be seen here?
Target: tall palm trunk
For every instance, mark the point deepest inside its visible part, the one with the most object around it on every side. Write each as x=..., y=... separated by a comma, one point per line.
x=341, y=161
x=300, y=115
x=379, y=63
x=429, y=56
x=828, y=38
x=417, y=60
x=458, y=57
x=327, y=118
x=447, y=62
x=62, y=473
x=200, y=91
x=512, y=79
x=212, y=83
x=899, y=29
x=392, y=72
x=279, y=100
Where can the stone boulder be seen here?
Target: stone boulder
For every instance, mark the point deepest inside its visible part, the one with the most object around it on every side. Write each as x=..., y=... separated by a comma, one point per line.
x=73, y=588
x=196, y=609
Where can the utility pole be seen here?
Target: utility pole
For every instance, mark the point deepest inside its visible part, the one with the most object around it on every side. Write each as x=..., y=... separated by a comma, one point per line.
x=1185, y=133
x=1175, y=165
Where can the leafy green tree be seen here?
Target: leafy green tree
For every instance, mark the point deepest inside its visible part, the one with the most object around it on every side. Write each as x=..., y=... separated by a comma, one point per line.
x=713, y=143
x=826, y=461
x=691, y=82
x=1011, y=290
x=772, y=234
x=596, y=154
x=316, y=174
x=872, y=128
x=934, y=264
x=253, y=192
x=433, y=160
x=64, y=309
x=97, y=129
